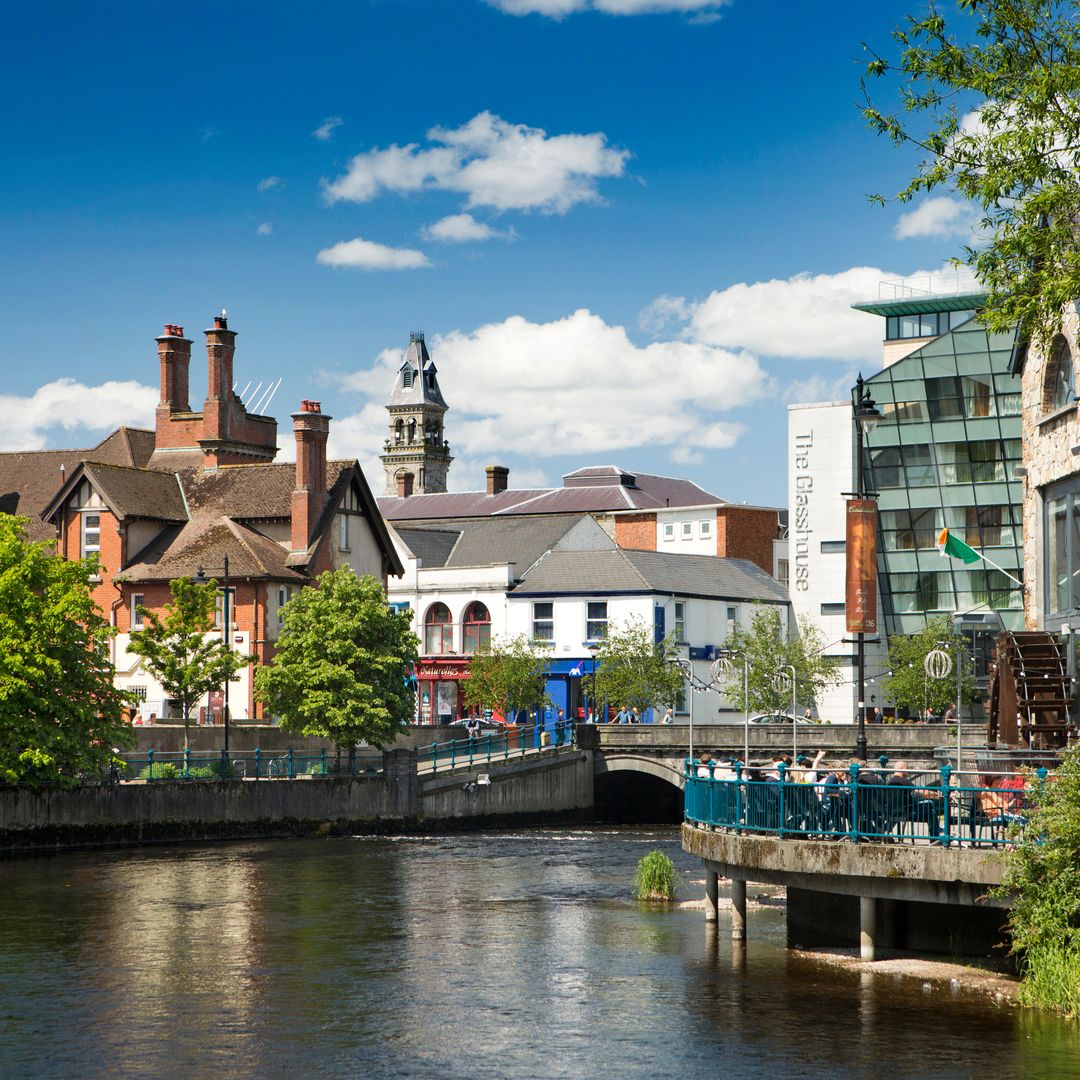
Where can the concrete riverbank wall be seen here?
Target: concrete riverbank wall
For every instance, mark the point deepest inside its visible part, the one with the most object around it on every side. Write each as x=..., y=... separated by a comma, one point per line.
x=555, y=786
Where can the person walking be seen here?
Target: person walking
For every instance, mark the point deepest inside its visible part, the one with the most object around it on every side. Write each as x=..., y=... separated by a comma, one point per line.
x=669, y=716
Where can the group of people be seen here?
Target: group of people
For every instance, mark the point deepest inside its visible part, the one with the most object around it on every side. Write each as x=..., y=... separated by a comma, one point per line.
x=627, y=715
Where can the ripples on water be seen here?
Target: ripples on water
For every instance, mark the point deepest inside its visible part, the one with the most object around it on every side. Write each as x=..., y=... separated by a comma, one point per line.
x=502, y=955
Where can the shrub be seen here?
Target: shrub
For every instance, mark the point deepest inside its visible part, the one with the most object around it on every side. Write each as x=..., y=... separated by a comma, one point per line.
x=317, y=768
x=656, y=878
x=164, y=770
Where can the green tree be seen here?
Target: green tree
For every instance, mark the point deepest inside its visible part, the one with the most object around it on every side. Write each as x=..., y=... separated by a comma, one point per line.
x=633, y=670
x=991, y=100
x=508, y=677
x=1042, y=882
x=60, y=713
x=906, y=682
x=771, y=653
x=181, y=648
x=343, y=661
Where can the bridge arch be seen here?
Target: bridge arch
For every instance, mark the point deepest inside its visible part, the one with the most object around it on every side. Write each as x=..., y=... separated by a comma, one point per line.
x=637, y=788
x=661, y=768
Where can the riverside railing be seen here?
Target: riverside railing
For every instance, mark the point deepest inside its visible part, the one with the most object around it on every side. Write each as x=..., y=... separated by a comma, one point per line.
x=243, y=765
x=861, y=804
x=514, y=741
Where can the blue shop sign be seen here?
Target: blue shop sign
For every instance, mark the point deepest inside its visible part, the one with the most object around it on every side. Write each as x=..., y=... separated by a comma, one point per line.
x=573, y=668
x=704, y=652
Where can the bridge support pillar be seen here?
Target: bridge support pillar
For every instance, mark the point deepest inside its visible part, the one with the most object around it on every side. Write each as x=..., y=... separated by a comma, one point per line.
x=867, y=928
x=711, y=890
x=738, y=909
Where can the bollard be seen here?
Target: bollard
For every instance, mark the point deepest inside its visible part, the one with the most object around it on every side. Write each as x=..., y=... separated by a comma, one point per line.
x=150, y=771
x=258, y=758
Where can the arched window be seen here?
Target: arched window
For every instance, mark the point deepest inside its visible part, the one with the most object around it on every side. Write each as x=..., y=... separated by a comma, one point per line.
x=477, y=628
x=407, y=375
x=412, y=429
x=1059, y=385
x=399, y=430
x=438, y=631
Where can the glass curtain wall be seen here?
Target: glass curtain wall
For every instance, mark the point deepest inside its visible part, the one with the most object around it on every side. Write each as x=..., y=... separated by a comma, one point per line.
x=945, y=455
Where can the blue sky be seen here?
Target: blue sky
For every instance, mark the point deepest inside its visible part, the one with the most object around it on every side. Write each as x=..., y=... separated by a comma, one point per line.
x=630, y=237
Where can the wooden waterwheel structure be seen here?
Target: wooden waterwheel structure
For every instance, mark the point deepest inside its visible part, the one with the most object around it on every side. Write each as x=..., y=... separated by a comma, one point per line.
x=1029, y=694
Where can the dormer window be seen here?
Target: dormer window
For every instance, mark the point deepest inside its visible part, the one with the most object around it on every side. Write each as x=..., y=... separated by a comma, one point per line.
x=407, y=375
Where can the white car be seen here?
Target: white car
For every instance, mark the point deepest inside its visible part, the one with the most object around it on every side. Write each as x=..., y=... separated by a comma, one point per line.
x=781, y=718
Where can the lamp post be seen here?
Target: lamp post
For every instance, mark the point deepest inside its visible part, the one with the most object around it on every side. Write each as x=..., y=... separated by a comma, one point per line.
x=226, y=637
x=866, y=416
x=722, y=664
x=794, y=715
x=593, y=648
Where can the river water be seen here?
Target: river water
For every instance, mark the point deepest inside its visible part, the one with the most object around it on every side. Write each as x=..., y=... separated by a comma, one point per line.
x=504, y=955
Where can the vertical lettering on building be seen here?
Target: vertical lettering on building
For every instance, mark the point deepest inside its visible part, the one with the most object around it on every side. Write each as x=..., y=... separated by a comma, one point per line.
x=800, y=530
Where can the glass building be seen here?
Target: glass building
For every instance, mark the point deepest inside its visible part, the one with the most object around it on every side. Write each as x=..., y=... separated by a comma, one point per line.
x=946, y=454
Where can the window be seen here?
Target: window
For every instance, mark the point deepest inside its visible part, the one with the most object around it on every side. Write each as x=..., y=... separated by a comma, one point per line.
x=399, y=430
x=687, y=529
x=407, y=375
x=833, y=547
x=544, y=621
x=783, y=572
x=669, y=530
x=476, y=629
x=219, y=614
x=732, y=620
x=284, y=595
x=833, y=609
x=412, y=430
x=91, y=534
x=438, y=631
x=943, y=398
x=139, y=692
x=595, y=620
x=1059, y=380
x=910, y=530
x=681, y=698
x=982, y=525
x=343, y=532
x=136, y=615
x=680, y=620
x=705, y=529
x=916, y=326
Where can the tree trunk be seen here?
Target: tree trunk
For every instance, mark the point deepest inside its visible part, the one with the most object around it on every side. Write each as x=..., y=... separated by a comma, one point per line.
x=187, y=718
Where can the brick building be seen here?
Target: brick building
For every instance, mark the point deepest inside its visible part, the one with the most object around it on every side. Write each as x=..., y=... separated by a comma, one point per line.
x=202, y=486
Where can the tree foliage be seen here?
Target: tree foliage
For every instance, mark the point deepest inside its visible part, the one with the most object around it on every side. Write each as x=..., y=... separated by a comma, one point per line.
x=509, y=677
x=181, y=648
x=1042, y=880
x=992, y=102
x=773, y=653
x=60, y=713
x=343, y=660
x=633, y=670
x=906, y=682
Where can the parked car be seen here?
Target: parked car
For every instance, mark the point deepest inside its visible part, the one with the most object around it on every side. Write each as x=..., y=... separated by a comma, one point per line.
x=781, y=718
x=483, y=721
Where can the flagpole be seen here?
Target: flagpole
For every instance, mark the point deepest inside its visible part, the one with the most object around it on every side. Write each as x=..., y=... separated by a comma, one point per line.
x=990, y=562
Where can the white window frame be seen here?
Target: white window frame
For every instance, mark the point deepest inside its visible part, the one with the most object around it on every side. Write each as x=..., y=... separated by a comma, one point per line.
x=343, y=532
x=284, y=595
x=687, y=531
x=679, y=620
x=138, y=600
x=548, y=620
x=219, y=607
x=86, y=547
x=669, y=530
x=591, y=621
x=732, y=620
x=705, y=529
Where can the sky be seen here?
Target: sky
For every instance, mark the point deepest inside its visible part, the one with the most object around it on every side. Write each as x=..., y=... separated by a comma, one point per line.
x=631, y=230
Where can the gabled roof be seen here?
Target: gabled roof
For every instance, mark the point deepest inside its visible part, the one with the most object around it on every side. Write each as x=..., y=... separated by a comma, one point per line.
x=125, y=446
x=417, y=379
x=251, y=492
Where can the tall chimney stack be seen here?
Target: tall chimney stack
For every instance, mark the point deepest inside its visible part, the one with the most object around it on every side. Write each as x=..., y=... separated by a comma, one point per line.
x=174, y=352
x=220, y=347
x=311, y=426
x=498, y=476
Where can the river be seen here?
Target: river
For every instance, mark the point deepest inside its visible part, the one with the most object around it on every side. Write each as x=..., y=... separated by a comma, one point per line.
x=502, y=955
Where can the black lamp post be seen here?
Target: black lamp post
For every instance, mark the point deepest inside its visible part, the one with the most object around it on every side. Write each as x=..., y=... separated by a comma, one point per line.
x=866, y=417
x=226, y=637
x=594, y=652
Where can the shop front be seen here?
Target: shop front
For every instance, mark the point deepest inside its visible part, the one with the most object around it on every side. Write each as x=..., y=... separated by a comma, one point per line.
x=438, y=689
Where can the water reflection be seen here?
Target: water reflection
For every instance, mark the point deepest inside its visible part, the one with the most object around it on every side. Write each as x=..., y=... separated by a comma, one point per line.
x=502, y=955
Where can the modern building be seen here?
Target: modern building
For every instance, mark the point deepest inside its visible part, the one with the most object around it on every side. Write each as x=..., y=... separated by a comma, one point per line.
x=200, y=489
x=945, y=454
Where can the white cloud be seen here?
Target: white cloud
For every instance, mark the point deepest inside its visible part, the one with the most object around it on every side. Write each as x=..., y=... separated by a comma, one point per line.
x=939, y=218
x=269, y=183
x=557, y=9
x=494, y=163
x=463, y=228
x=30, y=422
x=265, y=229
x=803, y=317
x=573, y=386
x=360, y=254
x=324, y=132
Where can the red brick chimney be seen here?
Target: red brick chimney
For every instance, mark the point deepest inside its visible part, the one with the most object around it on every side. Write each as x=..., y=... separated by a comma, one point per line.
x=498, y=477
x=404, y=485
x=174, y=352
x=311, y=428
x=217, y=409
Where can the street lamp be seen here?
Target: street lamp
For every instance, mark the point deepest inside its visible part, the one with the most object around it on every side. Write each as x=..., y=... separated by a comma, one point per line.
x=593, y=648
x=226, y=637
x=794, y=705
x=723, y=663
x=866, y=416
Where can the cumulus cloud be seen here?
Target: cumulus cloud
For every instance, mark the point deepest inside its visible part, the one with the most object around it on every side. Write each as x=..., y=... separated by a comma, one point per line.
x=325, y=131
x=806, y=316
x=600, y=392
x=940, y=217
x=703, y=10
x=66, y=405
x=265, y=229
x=269, y=183
x=360, y=254
x=492, y=162
x=462, y=229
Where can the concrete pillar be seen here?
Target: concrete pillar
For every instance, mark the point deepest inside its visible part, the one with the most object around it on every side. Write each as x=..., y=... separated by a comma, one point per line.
x=738, y=909
x=711, y=886
x=867, y=927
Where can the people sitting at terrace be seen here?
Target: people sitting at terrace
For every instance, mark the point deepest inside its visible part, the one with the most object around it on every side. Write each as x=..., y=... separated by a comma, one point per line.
x=907, y=803
x=704, y=767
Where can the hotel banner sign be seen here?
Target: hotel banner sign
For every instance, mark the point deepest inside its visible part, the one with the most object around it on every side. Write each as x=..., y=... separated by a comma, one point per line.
x=861, y=548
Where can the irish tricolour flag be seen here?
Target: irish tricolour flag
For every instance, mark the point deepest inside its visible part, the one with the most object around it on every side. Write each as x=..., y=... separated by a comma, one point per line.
x=955, y=548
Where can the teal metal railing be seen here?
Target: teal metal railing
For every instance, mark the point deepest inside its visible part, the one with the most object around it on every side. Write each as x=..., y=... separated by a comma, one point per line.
x=862, y=804
x=243, y=765
x=515, y=741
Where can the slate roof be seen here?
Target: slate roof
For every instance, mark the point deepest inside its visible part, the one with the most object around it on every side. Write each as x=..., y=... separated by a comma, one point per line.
x=138, y=493
x=622, y=570
x=251, y=492
x=595, y=489
x=423, y=385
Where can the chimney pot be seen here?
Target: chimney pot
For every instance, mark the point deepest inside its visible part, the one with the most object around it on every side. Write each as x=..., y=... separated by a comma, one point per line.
x=310, y=406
